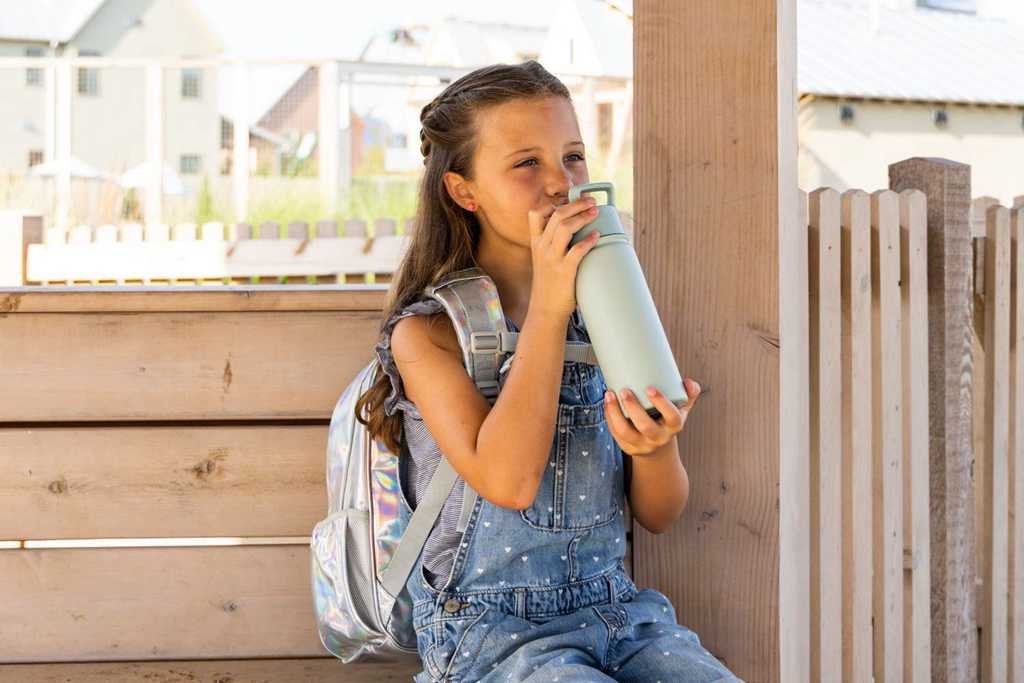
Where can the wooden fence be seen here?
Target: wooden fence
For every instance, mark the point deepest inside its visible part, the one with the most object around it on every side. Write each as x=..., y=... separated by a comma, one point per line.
x=208, y=254
x=894, y=478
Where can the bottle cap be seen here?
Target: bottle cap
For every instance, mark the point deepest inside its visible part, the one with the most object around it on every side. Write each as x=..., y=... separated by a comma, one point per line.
x=607, y=221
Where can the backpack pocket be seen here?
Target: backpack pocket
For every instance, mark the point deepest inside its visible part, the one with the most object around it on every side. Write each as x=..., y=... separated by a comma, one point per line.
x=342, y=589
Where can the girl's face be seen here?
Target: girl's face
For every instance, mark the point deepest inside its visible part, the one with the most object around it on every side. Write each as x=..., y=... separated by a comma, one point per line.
x=529, y=153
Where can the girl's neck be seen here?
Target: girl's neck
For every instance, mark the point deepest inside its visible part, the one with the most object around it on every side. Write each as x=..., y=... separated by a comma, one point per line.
x=510, y=266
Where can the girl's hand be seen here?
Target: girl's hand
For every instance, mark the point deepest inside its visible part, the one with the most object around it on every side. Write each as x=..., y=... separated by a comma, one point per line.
x=646, y=434
x=553, y=289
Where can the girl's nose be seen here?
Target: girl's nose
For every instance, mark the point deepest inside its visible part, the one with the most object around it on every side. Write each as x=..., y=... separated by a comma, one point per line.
x=560, y=189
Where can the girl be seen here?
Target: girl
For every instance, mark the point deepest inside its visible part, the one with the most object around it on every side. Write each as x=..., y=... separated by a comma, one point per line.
x=535, y=588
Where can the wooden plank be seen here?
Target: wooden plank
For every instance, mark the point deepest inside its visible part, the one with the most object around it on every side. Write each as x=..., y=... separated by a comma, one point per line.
x=309, y=670
x=916, y=534
x=240, y=298
x=156, y=603
x=180, y=366
x=183, y=258
x=947, y=187
x=717, y=208
x=995, y=484
x=887, y=437
x=825, y=308
x=1015, y=665
x=858, y=381
x=161, y=481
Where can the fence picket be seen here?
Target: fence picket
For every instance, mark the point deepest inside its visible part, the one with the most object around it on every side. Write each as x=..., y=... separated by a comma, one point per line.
x=916, y=527
x=858, y=381
x=887, y=442
x=825, y=309
x=1015, y=663
x=995, y=486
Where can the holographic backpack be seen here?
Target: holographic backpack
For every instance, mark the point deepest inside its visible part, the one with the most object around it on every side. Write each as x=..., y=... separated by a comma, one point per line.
x=363, y=551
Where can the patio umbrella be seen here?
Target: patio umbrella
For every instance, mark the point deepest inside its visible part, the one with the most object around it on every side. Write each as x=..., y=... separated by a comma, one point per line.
x=136, y=177
x=77, y=167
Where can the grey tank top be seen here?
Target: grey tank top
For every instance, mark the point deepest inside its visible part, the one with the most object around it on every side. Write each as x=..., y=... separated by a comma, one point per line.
x=439, y=550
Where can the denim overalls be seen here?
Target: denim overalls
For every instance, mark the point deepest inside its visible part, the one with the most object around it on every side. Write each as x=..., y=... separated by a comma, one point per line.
x=541, y=594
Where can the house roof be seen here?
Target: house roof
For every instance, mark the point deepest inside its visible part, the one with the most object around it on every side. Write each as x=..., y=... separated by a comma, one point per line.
x=50, y=21
x=916, y=54
x=477, y=43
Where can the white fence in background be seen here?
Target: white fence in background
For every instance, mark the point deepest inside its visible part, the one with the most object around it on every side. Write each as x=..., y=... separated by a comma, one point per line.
x=229, y=253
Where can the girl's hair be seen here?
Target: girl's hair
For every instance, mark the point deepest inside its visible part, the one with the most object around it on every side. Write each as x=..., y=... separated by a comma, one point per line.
x=445, y=236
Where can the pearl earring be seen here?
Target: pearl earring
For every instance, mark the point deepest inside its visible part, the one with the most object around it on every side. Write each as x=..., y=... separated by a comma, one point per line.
x=472, y=206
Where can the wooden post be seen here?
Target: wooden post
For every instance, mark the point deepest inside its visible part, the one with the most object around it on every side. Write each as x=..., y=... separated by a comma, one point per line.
x=328, y=150
x=18, y=229
x=947, y=186
x=718, y=236
x=240, y=153
x=154, y=143
x=62, y=216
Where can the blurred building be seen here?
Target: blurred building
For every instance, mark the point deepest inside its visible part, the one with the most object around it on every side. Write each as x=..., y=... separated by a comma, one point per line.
x=884, y=80
x=108, y=108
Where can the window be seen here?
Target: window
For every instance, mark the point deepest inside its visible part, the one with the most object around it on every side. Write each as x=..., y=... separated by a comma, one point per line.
x=954, y=5
x=191, y=81
x=33, y=76
x=88, y=78
x=227, y=134
x=189, y=164
x=35, y=157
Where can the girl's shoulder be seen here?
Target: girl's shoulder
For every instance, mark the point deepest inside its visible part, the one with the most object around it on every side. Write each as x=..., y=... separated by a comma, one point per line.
x=428, y=314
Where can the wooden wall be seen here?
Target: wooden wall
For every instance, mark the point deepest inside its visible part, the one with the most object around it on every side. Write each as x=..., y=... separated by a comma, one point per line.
x=161, y=468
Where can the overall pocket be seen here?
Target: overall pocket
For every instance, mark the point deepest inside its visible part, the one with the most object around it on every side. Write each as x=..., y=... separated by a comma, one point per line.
x=583, y=485
x=457, y=645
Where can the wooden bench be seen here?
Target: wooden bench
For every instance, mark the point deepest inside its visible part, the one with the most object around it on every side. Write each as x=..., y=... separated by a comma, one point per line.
x=162, y=463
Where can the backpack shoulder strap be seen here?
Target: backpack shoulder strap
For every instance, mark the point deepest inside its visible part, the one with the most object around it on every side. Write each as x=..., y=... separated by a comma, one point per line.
x=471, y=301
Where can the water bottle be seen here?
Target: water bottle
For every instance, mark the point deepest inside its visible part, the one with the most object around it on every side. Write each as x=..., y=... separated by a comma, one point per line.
x=616, y=306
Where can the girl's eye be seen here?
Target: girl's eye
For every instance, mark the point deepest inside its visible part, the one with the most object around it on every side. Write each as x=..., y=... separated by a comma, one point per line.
x=579, y=157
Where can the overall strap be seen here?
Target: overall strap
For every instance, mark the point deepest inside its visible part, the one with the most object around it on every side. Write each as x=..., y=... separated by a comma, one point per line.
x=471, y=301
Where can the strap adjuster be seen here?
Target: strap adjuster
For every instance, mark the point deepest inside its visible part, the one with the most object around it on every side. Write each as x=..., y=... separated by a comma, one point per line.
x=484, y=342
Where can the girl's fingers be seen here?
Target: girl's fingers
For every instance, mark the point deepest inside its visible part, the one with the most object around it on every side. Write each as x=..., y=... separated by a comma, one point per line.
x=581, y=213
x=670, y=415
x=580, y=249
x=537, y=219
x=624, y=432
x=643, y=422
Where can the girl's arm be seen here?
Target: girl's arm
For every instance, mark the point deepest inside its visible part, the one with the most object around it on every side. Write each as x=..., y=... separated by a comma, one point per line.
x=500, y=451
x=655, y=479
x=658, y=487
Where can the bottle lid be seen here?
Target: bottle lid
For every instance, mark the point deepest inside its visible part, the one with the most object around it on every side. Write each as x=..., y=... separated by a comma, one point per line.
x=607, y=221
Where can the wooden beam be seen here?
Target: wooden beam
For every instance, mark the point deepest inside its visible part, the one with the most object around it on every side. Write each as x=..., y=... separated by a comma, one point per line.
x=718, y=237
x=154, y=144
x=328, y=149
x=240, y=151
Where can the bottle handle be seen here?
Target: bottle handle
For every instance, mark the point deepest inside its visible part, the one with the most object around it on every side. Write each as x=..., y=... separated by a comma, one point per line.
x=603, y=186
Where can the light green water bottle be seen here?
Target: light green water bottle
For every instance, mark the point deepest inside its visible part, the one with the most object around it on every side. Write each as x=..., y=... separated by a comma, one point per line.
x=617, y=308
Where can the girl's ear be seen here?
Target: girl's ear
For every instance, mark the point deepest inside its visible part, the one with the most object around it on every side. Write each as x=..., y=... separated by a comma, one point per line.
x=458, y=189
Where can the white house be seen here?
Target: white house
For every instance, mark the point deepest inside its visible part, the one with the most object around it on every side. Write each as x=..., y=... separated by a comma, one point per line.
x=108, y=112
x=886, y=80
